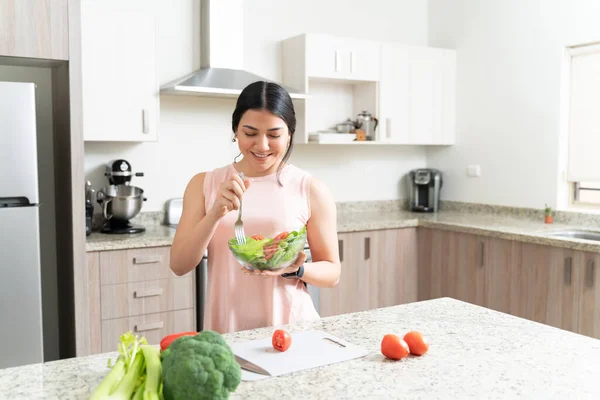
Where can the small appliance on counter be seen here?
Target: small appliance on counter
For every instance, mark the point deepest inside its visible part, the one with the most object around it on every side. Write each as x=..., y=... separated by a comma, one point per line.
x=120, y=200
x=424, y=186
x=89, y=208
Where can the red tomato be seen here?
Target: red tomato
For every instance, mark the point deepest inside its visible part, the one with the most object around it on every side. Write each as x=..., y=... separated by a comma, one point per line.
x=416, y=342
x=257, y=237
x=394, y=347
x=167, y=340
x=282, y=340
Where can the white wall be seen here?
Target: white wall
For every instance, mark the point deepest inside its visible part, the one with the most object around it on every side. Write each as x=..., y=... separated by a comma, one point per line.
x=509, y=60
x=195, y=133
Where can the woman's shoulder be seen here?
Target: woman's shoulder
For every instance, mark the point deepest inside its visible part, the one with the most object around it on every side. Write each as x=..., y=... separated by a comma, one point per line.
x=204, y=179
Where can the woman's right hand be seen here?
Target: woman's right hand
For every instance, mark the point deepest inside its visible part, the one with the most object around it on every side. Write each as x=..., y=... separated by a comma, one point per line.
x=229, y=196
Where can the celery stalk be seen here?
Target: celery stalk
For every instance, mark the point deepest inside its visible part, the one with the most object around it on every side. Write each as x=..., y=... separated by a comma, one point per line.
x=153, y=371
x=110, y=381
x=139, y=393
x=126, y=387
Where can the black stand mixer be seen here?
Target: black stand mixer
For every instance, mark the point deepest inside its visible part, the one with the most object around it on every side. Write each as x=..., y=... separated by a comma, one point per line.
x=120, y=201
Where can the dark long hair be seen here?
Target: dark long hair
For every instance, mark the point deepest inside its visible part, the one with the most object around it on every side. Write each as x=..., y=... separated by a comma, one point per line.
x=268, y=96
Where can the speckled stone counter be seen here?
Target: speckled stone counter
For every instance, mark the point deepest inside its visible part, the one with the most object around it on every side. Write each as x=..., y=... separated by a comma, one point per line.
x=475, y=353
x=488, y=223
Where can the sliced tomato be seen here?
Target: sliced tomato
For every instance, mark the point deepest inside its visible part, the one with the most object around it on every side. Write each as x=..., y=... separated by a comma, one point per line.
x=258, y=237
x=282, y=340
x=167, y=340
x=281, y=236
x=393, y=347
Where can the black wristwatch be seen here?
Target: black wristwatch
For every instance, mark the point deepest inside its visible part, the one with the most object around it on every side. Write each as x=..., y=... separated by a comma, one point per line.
x=294, y=275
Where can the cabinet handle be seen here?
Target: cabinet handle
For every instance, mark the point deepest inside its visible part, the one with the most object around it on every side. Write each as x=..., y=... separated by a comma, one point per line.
x=341, y=249
x=590, y=274
x=388, y=127
x=352, y=61
x=147, y=260
x=568, y=263
x=482, y=254
x=148, y=327
x=337, y=61
x=367, y=248
x=138, y=294
x=145, y=123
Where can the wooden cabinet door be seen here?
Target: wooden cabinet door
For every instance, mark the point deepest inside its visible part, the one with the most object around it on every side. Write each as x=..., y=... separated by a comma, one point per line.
x=351, y=294
x=379, y=269
x=589, y=300
x=432, y=247
x=34, y=29
x=393, y=276
x=501, y=257
x=544, y=285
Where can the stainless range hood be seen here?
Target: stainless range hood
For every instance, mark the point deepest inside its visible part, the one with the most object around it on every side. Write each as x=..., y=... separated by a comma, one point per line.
x=221, y=72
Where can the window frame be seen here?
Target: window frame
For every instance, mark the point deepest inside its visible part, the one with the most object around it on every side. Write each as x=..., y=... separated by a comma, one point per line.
x=575, y=187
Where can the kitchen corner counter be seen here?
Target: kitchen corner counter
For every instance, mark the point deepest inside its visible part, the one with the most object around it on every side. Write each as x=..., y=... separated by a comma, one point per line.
x=474, y=353
x=499, y=225
x=154, y=236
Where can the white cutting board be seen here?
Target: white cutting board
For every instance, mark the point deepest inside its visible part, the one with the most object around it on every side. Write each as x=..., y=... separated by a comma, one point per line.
x=308, y=350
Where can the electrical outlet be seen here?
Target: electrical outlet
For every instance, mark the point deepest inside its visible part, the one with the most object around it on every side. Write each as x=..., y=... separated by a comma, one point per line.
x=474, y=171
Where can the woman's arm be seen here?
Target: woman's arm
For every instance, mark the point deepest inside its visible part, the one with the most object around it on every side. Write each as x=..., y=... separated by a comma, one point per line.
x=325, y=268
x=194, y=231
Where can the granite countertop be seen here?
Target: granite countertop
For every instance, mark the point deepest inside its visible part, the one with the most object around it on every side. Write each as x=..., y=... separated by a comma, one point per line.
x=474, y=352
x=501, y=225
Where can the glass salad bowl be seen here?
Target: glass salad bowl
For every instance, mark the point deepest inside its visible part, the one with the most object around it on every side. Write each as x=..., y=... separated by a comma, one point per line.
x=271, y=254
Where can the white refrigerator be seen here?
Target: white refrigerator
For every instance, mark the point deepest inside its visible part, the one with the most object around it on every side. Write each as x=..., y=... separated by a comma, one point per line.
x=21, y=336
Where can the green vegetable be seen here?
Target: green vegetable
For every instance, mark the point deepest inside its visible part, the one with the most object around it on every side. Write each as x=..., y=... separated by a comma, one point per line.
x=253, y=252
x=137, y=372
x=153, y=372
x=199, y=367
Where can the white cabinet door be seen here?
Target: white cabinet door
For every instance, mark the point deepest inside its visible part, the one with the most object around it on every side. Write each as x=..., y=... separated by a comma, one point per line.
x=333, y=57
x=417, y=91
x=364, y=61
x=119, y=75
x=325, y=57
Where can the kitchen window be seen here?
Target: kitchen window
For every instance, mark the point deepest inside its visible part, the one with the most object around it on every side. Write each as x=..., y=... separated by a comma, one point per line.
x=583, y=155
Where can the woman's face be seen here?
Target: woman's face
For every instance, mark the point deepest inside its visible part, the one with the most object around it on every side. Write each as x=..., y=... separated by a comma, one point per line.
x=263, y=140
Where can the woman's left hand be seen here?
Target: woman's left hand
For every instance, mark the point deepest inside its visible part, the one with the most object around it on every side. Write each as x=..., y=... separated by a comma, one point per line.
x=292, y=268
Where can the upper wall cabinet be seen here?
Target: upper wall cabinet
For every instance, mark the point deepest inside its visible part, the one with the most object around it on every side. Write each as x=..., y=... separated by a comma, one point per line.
x=417, y=95
x=341, y=58
x=409, y=89
x=34, y=29
x=119, y=74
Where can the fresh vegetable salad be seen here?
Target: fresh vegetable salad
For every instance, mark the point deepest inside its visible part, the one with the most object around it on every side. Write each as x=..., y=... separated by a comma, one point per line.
x=269, y=253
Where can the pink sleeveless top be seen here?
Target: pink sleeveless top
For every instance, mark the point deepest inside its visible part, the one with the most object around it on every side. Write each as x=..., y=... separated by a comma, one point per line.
x=236, y=301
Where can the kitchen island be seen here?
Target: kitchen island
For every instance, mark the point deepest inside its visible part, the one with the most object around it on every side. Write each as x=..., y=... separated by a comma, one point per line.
x=474, y=353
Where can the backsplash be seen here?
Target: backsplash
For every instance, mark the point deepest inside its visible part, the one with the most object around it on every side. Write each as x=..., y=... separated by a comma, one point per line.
x=149, y=218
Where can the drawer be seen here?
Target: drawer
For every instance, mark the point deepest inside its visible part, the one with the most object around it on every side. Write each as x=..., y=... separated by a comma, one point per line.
x=148, y=297
x=135, y=265
x=151, y=326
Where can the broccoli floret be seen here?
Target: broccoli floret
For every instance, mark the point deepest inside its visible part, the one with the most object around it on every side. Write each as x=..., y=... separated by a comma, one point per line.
x=199, y=367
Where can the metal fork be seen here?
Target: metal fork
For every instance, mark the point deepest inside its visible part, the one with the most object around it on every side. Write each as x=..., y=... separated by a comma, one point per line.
x=239, y=225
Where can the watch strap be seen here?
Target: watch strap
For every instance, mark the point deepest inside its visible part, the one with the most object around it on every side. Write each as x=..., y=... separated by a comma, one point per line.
x=298, y=274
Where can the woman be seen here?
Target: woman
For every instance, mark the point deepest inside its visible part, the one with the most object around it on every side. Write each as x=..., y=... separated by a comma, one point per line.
x=277, y=197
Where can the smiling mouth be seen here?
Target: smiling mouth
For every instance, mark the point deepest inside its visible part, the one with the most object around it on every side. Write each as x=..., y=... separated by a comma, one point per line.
x=260, y=155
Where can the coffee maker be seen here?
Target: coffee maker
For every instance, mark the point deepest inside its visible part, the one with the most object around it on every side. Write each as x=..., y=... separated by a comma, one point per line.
x=120, y=201
x=424, y=189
